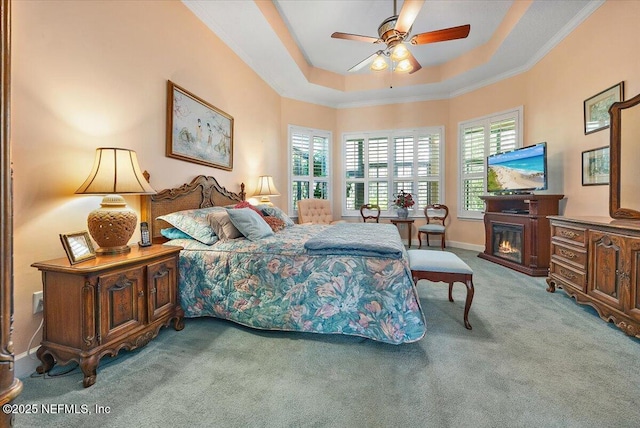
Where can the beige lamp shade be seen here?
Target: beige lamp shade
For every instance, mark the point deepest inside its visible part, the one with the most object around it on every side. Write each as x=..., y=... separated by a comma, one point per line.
x=265, y=189
x=115, y=172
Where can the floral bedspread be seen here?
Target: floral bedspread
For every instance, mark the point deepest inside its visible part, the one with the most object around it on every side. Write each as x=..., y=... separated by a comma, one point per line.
x=274, y=284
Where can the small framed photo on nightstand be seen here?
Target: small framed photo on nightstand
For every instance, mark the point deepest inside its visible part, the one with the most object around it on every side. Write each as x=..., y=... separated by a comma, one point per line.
x=78, y=246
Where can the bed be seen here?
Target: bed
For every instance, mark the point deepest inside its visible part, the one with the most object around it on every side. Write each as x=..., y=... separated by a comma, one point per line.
x=283, y=282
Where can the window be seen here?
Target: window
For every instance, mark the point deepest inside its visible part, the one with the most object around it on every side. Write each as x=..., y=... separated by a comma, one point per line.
x=379, y=165
x=478, y=139
x=310, y=159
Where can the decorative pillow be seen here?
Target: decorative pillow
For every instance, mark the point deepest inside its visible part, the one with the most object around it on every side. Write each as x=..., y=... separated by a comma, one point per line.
x=276, y=212
x=194, y=223
x=275, y=223
x=174, y=233
x=221, y=224
x=249, y=223
x=245, y=204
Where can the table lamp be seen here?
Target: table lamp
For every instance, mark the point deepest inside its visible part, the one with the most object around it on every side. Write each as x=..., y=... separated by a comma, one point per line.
x=265, y=189
x=115, y=172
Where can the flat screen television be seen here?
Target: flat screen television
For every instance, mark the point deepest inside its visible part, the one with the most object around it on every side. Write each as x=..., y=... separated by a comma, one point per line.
x=518, y=171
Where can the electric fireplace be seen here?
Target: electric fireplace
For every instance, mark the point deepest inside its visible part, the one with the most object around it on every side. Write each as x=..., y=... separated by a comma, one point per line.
x=507, y=242
x=517, y=231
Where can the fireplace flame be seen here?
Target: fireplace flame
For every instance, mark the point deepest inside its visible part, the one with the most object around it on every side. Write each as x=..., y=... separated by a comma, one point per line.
x=506, y=248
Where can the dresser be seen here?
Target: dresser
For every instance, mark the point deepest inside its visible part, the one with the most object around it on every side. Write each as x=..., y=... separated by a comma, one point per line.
x=100, y=306
x=597, y=261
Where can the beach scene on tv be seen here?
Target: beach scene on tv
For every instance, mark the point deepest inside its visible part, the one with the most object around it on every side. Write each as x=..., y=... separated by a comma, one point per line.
x=517, y=170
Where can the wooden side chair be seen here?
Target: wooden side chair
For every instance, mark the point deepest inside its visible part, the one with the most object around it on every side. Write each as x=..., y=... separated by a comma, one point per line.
x=370, y=212
x=436, y=215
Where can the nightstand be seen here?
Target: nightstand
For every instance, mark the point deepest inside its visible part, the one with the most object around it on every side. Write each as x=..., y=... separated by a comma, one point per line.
x=100, y=306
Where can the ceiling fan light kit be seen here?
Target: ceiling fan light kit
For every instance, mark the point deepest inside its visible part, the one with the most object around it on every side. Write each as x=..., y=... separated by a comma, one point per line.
x=393, y=32
x=379, y=64
x=403, y=66
x=399, y=52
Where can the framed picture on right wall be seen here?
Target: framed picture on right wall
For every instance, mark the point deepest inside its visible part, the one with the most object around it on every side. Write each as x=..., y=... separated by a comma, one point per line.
x=596, y=108
x=595, y=166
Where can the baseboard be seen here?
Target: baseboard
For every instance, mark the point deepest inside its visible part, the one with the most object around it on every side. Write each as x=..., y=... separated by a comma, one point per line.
x=24, y=366
x=453, y=244
x=465, y=246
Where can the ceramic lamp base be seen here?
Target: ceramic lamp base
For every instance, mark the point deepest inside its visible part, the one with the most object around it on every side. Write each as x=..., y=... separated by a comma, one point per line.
x=112, y=225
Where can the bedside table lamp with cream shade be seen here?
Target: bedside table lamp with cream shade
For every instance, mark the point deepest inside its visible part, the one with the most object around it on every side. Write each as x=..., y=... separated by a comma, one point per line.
x=265, y=189
x=115, y=172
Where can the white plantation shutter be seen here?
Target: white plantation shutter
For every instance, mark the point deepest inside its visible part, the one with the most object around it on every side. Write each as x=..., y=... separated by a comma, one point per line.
x=310, y=165
x=502, y=137
x=428, y=155
x=378, y=157
x=478, y=139
x=380, y=164
x=378, y=172
x=403, y=157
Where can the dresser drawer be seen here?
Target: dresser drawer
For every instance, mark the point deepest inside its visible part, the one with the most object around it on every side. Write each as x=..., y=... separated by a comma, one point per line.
x=566, y=274
x=568, y=233
x=569, y=254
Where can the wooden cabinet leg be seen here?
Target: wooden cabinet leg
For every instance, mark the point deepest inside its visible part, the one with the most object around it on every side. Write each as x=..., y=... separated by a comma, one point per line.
x=88, y=367
x=47, y=360
x=552, y=285
x=178, y=323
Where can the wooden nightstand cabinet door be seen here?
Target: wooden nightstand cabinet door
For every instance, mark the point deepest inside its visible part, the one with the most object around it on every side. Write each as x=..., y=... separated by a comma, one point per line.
x=162, y=288
x=121, y=307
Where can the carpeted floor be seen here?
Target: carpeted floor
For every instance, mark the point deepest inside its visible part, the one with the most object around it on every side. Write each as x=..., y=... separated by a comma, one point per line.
x=533, y=359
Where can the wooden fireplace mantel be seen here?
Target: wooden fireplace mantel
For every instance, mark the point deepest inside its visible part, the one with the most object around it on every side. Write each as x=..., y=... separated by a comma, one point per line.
x=528, y=213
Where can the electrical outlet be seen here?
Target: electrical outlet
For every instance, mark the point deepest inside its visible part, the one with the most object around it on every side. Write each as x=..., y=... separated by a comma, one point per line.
x=38, y=302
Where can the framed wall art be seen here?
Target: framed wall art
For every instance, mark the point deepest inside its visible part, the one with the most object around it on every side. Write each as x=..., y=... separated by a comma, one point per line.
x=595, y=166
x=78, y=246
x=197, y=131
x=596, y=108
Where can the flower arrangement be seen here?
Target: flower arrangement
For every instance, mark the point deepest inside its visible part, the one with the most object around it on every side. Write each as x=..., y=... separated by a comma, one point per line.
x=403, y=200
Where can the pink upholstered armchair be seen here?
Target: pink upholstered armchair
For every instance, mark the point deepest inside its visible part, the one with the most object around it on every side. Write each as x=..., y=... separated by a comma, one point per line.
x=317, y=211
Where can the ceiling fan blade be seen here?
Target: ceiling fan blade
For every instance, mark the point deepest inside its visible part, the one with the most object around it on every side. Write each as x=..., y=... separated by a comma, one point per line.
x=441, y=35
x=414, y=63
x=408, y=14
x=356, y=37
x=364, y=62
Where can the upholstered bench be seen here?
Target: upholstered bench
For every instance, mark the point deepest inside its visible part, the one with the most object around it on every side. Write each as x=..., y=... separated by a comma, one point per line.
x=442, y=266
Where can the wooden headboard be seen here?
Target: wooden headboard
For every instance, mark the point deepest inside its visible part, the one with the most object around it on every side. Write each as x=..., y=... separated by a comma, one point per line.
x=202, y=192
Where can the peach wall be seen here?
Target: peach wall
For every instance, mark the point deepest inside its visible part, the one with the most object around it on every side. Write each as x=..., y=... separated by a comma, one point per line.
x=504, y=95
x=88, y=74
x=598, y=54
x=91, y=74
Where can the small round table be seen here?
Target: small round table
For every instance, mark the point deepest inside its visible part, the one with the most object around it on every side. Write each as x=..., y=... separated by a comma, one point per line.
x=408, y=221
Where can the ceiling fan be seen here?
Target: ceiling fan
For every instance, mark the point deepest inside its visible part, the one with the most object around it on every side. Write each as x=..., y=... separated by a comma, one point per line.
x=394, y=31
